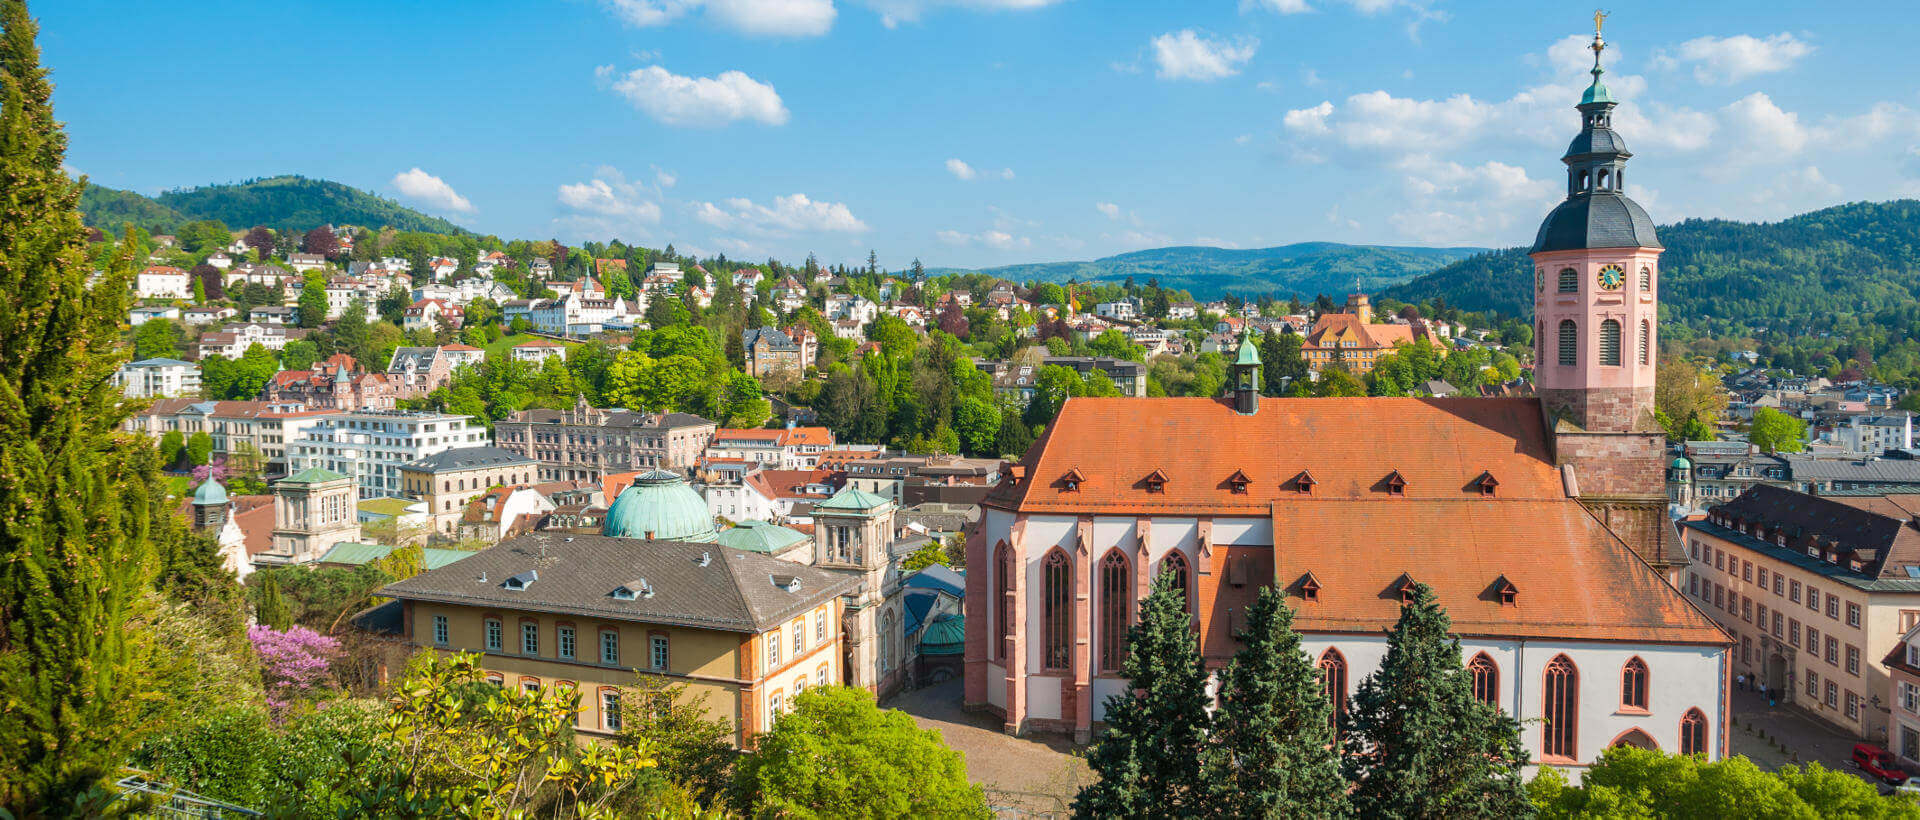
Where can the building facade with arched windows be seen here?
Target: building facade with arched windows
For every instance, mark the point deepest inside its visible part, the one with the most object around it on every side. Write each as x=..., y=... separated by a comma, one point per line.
x=1539, y=523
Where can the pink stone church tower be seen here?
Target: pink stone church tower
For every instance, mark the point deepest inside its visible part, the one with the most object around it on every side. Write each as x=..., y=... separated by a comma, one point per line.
x=1596, y=278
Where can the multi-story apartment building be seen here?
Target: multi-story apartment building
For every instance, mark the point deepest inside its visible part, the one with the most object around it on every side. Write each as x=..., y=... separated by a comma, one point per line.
x=232, y=341
x=1903, y=670
x=891, y=477
x=241, y=430
x=588, y=442
x=447, y=480
x=162, y=282
x=792, y=448
x=769, y=351
x=1873, y=435
x=1813, y=590
x=339, y=383
x=1016, y=382
x=160, y=378
x=742, y=630
x=371, y=446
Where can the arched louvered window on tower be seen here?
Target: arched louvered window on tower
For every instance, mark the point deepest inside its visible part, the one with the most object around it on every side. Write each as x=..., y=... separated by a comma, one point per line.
x=1646, y=342
x=1610, y=343
x=1646, y=279
x=1569, y=342
x=1569, y=280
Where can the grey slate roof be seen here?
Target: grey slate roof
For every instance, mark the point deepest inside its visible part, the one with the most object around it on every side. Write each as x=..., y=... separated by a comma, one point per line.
x=735, y=592
x=468, y=458
x=1807, y=468
x=1600, y=219
x=627, y=418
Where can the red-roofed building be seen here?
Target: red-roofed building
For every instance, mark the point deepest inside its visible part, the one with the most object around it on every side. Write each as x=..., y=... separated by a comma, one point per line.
x=335, y=384
x=793, y=448
x=1539, y=524
x=1354, y=340
x=780, y=496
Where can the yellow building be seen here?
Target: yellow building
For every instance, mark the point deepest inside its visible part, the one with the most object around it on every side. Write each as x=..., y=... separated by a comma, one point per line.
x=449, y=479
x=1353, y=340
x=745, y=631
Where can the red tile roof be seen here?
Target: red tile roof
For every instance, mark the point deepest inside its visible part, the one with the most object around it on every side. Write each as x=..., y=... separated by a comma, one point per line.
x=788, y=483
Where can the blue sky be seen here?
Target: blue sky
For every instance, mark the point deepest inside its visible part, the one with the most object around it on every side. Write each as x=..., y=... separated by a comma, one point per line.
x=981, y=132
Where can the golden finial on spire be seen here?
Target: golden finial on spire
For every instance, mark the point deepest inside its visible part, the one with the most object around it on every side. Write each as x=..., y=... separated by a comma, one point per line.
x=1598, y=17
x=1599, y=45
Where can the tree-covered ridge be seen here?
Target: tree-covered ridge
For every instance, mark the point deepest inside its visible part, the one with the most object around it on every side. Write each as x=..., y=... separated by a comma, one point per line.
x=1298, y=271
x=289, y=203
x=1826, y=265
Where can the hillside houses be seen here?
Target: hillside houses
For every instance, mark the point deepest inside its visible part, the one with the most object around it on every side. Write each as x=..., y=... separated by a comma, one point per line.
x=162, y=282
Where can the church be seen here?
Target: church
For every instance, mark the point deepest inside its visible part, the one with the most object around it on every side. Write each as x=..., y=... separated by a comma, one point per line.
x=1540, y=523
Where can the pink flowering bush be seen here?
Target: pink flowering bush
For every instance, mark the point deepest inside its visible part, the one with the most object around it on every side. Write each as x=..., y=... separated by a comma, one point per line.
x=293, y=664
x=215, y=469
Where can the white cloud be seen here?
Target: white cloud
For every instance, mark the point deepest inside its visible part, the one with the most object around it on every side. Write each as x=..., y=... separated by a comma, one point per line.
x=664, y=177
x=996, y=239
x=786, y=215
x=760, y=18
x=423, y=187
x=1277, y=6
x=1186, y=55
x=698, y=101
x=1111, y=210
x=967, y=173
x=895, y=12
x=1723, y=60
x=608, y=205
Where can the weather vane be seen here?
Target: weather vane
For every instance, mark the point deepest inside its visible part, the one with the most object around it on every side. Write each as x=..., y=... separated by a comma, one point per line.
x=1599, y=18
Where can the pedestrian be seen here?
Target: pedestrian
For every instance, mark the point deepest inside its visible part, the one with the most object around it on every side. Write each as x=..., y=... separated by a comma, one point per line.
x=1742, y=680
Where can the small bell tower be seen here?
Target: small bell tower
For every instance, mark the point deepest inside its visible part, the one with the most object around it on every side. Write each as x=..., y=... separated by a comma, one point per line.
x=1246, y=377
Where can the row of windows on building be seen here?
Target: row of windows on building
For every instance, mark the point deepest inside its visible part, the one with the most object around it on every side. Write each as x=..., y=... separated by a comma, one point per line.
x=609, y=718
x=1569, y=279
x=1744, y=571
x=1742, y=607
x=777, y=702
x=1569, y=342
x=798, y=631
x=565, y=645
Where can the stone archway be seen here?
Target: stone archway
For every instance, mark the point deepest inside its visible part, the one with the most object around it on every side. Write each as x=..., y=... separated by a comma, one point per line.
x=1777, y=673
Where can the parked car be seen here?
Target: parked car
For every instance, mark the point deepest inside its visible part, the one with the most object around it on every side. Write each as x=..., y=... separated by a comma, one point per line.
x=1909, y=786
x=1878, y=762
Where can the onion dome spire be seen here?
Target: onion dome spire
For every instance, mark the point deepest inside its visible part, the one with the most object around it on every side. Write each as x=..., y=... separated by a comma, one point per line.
x=1597, y=212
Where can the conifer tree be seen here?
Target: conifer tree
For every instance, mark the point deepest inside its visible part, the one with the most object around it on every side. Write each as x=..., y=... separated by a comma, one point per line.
x=272, y=610
x=1419, y=744
x=1272, y=751
x=1148, y=761
x=77, y=497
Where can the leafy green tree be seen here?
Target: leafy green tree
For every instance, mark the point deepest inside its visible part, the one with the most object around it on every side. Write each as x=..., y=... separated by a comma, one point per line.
x=199, y=447
x=1014, y=436
x=1776, y=432
x=838, y=755
x=1337, y=382
x=1148, y=761
x=1115, y=344
x=313, y=300
x=299, y=354
x=694, y=749
x=82, y=502
x=1629, y=782
x=155, y=338
x=351, y=334
x=272, y=609
x=978, y=423
x=1418, y=743
x=204, y=236
x=1272, y=750
x=927, y=555
x=1281, y=364
x=170, y=444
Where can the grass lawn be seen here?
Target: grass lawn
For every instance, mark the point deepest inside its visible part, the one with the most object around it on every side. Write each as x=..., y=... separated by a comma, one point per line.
x=500, y=347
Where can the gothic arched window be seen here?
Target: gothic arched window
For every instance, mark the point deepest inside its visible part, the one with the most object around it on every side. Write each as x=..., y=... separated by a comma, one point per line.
x=1560, y=701
x=1633, y=685
x=1610, y=343
x=1569, y=280
x=1116, y=581
x=1056, y=609
x=1693, y=732
x=1646, y=342
x=1175, y=564
x=1486, y=679
x=1333, y=673
x=1004, y=603
x=1569, y=342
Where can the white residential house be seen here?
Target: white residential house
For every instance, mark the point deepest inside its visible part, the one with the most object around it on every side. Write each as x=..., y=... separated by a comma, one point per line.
x=1183, y=310
x=432, y=315
x=220, y=260
x=304, y=262
x=539, y=350
x=852, y=306
x=163, y=282
x=233, y=340
x=274, y=315
x=397, y=263
x=666, y=270
x=207, y=315
x=1117, y=310
x=159, y=379
x=442, y=267
x=459, y=354
x=140, y=315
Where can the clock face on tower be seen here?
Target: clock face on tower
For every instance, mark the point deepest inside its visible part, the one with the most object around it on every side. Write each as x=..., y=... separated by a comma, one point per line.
x=1610, y=277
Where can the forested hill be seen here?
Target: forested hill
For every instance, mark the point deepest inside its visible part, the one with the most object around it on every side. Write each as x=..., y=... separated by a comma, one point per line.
x=284, y=202
x=1302, y=270
x=1860, y=257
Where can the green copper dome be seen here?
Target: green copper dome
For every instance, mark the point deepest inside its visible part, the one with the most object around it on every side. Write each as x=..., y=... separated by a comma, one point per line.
x=209, y=493
x=660, y=506
x=1249, y=352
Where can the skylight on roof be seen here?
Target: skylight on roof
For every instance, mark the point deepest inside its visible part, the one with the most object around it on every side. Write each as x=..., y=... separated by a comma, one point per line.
x=522, y=580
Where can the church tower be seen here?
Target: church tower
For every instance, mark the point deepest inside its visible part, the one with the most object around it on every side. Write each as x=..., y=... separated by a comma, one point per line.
x=1595, y=283
x=1596, y=278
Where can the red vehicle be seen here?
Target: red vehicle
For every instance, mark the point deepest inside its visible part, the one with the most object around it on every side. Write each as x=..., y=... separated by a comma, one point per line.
x=1878, y=762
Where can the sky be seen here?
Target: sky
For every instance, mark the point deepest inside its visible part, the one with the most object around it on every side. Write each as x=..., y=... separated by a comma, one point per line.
x=983, y=132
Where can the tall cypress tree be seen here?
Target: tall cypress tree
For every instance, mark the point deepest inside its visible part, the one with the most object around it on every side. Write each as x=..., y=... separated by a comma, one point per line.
x=1419, y=744
x=77, y=498
x=1148, y=761
x=1272, y=751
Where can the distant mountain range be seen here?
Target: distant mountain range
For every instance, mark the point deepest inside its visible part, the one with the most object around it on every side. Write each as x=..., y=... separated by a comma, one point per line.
x=283, y=203
x=1861, y=257
x=1301, y=270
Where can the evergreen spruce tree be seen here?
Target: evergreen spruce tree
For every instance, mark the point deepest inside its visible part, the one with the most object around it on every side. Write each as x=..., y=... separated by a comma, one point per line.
x=1272, y=751
x=1148, y=761
x=1419, y=744
x=77, y=497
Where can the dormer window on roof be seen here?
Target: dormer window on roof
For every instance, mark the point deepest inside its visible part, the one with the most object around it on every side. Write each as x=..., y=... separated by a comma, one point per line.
x=1506, y=590
x=1155, y=481
x=521, y=580
x=1239, y=481
x=1406, y=588
x=1071, y=481
x=1486, y=483
x=1309, y=587
x=1396, y=484
x=1303, y=483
